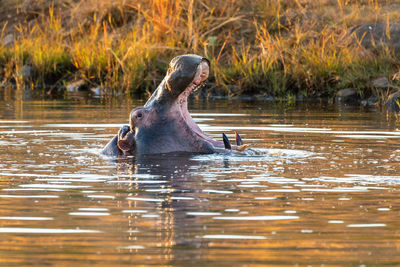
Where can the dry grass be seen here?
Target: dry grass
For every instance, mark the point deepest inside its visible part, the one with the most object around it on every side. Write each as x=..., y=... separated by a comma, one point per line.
x=270, y=47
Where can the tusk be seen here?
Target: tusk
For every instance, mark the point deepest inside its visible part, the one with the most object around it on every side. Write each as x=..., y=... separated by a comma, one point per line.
x=239, y=141
x=227, y=143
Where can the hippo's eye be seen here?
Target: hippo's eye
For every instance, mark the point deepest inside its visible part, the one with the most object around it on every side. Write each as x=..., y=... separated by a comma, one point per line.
x=139, y=115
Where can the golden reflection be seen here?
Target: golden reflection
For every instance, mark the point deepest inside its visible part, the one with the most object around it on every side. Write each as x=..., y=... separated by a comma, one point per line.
x=167, y=227
x=132, y=218
x=163, y=225
x=19, y=104
x=342, y=182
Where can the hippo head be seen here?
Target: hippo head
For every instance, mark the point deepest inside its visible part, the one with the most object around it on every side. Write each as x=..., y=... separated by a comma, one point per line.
x=163, y=124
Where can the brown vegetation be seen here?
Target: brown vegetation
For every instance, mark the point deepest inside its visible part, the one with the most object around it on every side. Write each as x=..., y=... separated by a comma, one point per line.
x=281, y=48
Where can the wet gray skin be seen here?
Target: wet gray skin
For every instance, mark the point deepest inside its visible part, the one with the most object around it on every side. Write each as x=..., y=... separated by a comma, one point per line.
x=163, y=124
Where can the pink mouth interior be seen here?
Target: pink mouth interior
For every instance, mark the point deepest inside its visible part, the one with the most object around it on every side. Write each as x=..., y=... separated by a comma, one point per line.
x=200, y=76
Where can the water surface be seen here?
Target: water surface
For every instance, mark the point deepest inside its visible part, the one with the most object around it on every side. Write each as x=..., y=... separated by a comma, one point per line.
x=322, y=188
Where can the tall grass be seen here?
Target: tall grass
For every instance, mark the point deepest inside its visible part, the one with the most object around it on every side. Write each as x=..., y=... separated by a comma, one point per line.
x=270, y=47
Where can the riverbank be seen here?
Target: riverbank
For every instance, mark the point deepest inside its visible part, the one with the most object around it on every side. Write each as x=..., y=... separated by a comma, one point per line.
x=285, y=49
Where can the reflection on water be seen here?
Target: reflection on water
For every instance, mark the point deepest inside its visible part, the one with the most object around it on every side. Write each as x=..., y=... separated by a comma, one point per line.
x=319, y=186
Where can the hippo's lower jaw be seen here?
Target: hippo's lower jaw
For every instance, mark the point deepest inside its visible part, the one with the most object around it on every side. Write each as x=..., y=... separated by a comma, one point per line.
x=181, y=105
x=199, y=134
x=164, y=124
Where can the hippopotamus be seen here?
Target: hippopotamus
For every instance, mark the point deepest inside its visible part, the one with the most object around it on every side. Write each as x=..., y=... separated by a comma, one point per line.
x=163, y=124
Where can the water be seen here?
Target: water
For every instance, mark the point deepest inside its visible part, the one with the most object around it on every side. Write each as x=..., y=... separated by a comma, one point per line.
x=322, y=189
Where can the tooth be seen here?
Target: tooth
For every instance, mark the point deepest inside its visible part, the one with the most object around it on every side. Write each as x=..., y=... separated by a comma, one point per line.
x=227, y=143
x=239, y=141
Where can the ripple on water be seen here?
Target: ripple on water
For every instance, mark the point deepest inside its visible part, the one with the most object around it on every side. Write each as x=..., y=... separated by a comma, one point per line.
x=150, y=215
x=45, y=230
x=28, y=196
x=13, y=122
x=336, y=189
x=217, y=191
x=138, y=182
x=93, y=209
x=101, y=196
x=282, y=190
x=83, y=125
x=203, y=213
x=383, y=209
x=233, y=237
x=365, y=225
x=232, y=210
x=33, y=189
x=134, y=211
x=34, y=132
x=255, y=155
x=336, y=221
x=89, y=213
x=182, y=198
x=132, y=247
x=66, y=180
x=57, y=186
x=218, y=114
x=25, y=174
x=146, y=199
x=26, y=218
x=257, y=218
x=357, y=178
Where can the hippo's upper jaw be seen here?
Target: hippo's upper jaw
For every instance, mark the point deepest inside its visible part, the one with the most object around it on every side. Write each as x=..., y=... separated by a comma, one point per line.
x=181, y=75
x=163, y=124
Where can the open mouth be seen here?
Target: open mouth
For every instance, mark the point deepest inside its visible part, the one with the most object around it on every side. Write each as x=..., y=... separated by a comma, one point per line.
x=142, y=119
x=197, y=83
x=164, y=124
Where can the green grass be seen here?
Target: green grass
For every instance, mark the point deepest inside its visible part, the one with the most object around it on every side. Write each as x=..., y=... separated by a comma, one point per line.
x=274, y=47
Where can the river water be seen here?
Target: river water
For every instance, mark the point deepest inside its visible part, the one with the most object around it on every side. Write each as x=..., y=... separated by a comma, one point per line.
x=323, y=188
